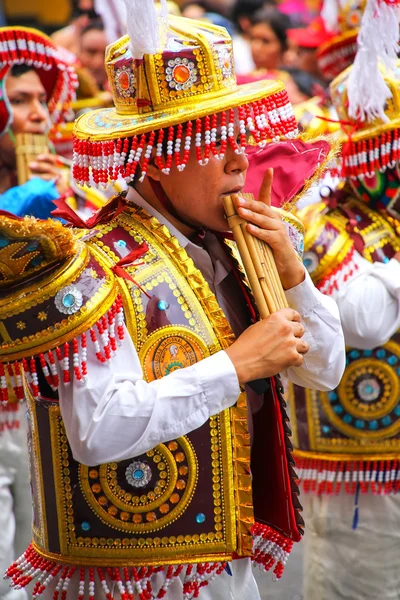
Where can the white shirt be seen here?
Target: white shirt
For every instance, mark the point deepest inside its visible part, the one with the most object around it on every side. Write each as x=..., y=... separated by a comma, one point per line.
x=369, y=303
x=116, y=415
x=117, y=405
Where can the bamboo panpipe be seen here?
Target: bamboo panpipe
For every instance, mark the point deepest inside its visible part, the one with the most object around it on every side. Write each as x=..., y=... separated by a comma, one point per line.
x=258, y=262
x=27, y=147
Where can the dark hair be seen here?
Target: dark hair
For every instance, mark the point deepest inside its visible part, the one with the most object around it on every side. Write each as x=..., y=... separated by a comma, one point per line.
x=18, y=70
x=78, y=12
x=278, y=22
x=200, y=3
x=307, y=83
x=245, y=8
x=94, y=25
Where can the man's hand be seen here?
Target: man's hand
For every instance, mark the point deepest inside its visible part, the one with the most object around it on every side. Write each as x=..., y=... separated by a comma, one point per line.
x=47, y=166
x=268, y=347
x=266, y=224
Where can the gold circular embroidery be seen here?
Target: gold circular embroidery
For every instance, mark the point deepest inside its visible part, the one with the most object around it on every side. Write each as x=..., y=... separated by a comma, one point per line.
x=137, y=510
x=171, y=348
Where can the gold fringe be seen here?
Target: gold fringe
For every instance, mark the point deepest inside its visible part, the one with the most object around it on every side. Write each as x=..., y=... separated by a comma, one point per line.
x=332, y=155
x=56, y=244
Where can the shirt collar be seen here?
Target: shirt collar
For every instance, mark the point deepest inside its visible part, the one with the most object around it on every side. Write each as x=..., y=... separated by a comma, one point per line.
x=215, y=267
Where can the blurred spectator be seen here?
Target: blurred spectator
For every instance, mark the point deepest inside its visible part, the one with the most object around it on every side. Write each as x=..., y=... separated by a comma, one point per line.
x=305, y=43
x=194, y=10
x=92, y=46
x=222, y=7
x=268, y=38
x=241, y=14
x=68, y=37
x=301, y=86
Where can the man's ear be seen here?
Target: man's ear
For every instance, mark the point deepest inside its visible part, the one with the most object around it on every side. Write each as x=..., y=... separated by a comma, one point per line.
x=153, y=171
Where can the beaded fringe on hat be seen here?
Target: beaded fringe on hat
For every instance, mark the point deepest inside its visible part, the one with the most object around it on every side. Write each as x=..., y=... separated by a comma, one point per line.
x=362, y=158
x=270, y=549
x=336, y=58
x=332, y=476
x=22, y=46
x=105, y=336
x=100, y=162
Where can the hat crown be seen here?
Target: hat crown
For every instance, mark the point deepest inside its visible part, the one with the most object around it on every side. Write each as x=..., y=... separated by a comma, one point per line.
x=196, y=60
x=368, y=128
x=350, y=14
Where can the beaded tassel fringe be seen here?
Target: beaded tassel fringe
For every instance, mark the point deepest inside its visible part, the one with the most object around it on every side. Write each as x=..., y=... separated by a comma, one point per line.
x=97, y=163
x=22, y=46
x=363, y=158
x=105, y=336
x=270, y=549
x=331, y=476
x=127, y=583
x=333, y=60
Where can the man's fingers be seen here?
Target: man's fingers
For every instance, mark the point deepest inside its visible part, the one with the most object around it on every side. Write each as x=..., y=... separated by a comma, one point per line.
x=302, y=346
x=298, y=329
x=266, y=187
x=43, y=167
x=290, y=314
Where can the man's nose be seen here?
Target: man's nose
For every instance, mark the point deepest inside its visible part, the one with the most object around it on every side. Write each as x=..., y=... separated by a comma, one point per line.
x=236, y=161
x=39, y=111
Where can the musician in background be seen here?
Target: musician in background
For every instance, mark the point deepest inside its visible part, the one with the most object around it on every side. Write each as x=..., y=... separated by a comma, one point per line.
x=91, y=50
x=30, y=98
x=33, y=100
x=30, y=115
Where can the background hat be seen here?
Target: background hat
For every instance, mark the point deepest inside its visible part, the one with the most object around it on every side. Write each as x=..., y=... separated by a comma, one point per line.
x=312, y=36
x=24, y=46
x=186, y=76
x=375, y=142
x=342, y=18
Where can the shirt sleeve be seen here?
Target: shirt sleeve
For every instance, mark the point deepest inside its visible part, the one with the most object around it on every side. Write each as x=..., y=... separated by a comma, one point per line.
x=116, y=414
x=34, y=198
x=325, y=361
x=369, y=304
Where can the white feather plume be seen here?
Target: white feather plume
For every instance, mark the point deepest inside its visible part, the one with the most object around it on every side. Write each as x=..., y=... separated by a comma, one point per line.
x=377, y=45
x=145, y=25
x=113, y=15
x=330, y=14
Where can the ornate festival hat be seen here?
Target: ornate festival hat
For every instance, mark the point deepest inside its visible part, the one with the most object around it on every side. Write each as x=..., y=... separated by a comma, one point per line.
x=374, y=143
x=183, y=81
x=24, y=46
x=366, y=96
x=342, y=19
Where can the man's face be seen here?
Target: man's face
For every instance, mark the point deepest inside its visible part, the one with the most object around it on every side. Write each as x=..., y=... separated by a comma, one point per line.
x=92, y=50
x=197, y=192
x=28, y=101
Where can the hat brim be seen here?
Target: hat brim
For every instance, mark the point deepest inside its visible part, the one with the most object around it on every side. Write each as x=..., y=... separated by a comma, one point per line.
x=307, y=39
x=107, y=124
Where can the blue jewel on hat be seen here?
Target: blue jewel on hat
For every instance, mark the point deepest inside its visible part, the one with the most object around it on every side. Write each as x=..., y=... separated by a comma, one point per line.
x=85, y=526
x=68, y=300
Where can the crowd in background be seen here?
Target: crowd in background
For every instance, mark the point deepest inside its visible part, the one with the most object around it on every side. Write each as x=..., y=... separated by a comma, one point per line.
x=271, y=40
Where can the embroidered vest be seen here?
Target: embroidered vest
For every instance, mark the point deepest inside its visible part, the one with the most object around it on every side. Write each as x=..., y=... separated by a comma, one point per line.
x=350, y=436
x=184, y=508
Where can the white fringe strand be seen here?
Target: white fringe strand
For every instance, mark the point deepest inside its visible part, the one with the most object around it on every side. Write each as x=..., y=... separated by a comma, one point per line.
x=377, y=46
